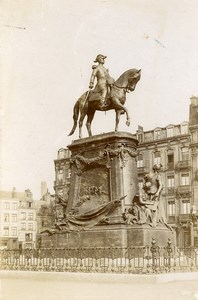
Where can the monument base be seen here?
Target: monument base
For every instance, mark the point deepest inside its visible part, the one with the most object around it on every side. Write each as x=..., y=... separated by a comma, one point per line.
x=109, y=236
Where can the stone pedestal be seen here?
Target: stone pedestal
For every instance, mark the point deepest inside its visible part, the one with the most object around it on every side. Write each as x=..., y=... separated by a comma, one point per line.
x=103, y=170
x=104, y=182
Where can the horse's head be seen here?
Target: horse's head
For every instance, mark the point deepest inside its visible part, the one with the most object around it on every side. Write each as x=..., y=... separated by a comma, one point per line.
x=133, y=78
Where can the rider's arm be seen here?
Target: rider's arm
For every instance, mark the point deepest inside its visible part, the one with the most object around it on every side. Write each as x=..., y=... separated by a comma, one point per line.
x=93, y=75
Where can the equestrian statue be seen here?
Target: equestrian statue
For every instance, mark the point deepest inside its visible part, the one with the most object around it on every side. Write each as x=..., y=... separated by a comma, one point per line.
x=106, y=95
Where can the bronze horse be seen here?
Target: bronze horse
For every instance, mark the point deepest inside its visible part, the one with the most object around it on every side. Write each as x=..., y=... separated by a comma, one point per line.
x=115, y=100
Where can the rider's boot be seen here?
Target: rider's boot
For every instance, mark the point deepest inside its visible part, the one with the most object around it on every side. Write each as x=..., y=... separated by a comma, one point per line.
x=103, y=102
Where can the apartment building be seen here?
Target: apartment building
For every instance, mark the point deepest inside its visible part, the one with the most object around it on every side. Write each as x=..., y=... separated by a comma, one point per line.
x=45, y=212
x=62, y=181
x=17, y=220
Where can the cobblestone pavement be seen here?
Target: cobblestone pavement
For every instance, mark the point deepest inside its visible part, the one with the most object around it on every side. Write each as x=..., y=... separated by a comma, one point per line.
x=45, y=289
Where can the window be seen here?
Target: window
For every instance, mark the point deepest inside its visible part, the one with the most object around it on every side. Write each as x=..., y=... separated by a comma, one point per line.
x=30, y=226
x=171, y=208
x=170, y=157
x=6, y=231
x=184, y=129
x=14, y=218
x=45, y=210
x=170, y=132
x=23, y=226
x=195, y=136
x=68, y=173
x=157, y=158
x=60, y=192
x=140, y=185
x=14, y=205
x=140, y=137
x=140, y=161
x=30, y=216
x=44, y=223
x=23, y=216
x=6, y=205
x=22, y=204
x=61, y=154
x=14, y=231
x=28, y=237
x=185, y=179
x=30, y=204
x=6, y=217
x=171, y=181
x=157, y=134
x=185, y=153
x=185, y=207
x=60, y=174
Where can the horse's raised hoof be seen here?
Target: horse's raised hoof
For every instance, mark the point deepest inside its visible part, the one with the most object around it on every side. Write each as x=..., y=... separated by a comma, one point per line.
x=128, y=123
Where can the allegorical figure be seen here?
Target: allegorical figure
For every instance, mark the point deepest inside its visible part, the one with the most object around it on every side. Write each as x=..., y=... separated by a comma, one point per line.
x=152, y=188
x=104, y=80
x=146, y=208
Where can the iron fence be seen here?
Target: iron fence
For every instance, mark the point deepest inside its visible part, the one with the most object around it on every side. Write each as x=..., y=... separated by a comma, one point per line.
x=135, y=260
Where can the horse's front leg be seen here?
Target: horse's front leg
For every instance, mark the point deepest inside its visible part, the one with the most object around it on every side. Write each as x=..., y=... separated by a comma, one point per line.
x=118, y=113
x=118, y=106
x=90, y=116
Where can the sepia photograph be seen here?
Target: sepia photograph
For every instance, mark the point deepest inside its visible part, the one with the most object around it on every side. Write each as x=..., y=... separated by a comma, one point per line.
x=98, y=149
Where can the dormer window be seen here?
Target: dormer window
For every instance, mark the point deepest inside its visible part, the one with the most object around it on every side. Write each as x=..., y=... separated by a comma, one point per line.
x=157, y=134
x=157, y=158
x=184, y=128
x=170, y=132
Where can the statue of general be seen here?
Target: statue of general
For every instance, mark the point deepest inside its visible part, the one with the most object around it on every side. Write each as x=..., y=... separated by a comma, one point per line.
x=104, y=80
x=107, y=94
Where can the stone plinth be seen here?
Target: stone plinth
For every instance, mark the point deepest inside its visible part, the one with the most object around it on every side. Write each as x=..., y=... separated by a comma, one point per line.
x=110, y=236
x=103, y=170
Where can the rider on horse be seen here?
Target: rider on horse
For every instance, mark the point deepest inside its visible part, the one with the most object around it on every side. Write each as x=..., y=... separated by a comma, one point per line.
x=104, y=80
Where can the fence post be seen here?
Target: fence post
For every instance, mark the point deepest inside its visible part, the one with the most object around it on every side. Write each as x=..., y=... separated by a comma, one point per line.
x=155, y=253
x=168, y=254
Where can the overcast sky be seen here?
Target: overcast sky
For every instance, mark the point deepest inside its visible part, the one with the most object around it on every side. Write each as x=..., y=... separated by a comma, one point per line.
x=47, y=50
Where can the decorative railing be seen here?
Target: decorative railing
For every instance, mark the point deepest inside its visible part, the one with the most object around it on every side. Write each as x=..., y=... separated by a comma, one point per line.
x=170, y=191
x=184, y=189
x=185, y=217
x=183, y=164
x=170, y=166
x=141, y=170
x=135, y=260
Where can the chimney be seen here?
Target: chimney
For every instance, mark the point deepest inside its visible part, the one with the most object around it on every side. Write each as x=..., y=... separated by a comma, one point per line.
x=14, y=193
x=43, y=188
x=193, y=111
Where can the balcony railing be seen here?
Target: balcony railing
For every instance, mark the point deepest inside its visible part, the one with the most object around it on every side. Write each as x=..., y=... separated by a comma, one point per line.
x=60, y=182
x=170, y=166
x=184, y=189
x=184, y=217
x=183, y=164
x=141, y=170
x=170, y=190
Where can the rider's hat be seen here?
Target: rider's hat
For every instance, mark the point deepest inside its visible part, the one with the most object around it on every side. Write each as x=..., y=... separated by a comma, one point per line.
x=99, y=56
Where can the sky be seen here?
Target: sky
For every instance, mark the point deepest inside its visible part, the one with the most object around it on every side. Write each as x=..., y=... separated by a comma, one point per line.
x=47, y=49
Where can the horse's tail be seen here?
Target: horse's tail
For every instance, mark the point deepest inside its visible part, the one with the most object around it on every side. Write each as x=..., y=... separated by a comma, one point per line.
x=75, y=117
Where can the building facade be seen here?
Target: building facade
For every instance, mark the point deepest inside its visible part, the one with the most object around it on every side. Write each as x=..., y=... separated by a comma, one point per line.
x=17, y=220
x=175, y=147
x=45, y=212
x=62, y=182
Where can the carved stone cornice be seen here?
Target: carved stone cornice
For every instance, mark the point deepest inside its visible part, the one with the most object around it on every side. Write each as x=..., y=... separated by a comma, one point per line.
x=83, y=163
